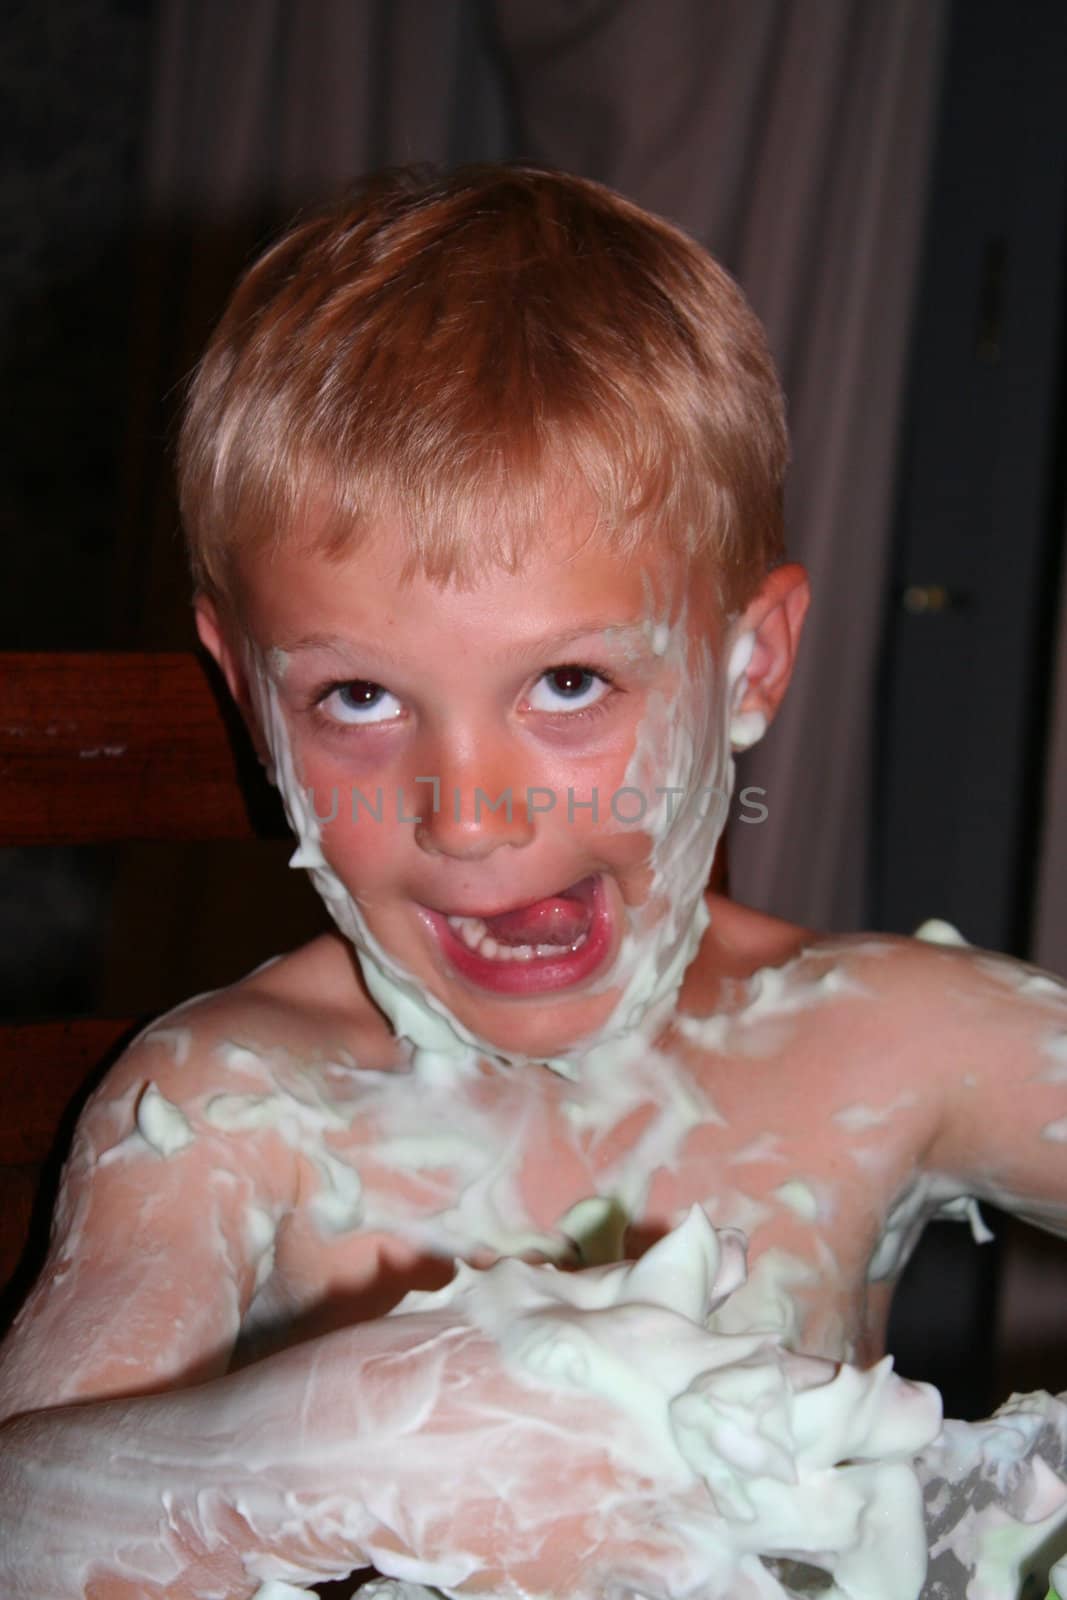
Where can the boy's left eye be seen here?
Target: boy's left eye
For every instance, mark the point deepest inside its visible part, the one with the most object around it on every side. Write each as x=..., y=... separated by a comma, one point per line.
x=568, y=688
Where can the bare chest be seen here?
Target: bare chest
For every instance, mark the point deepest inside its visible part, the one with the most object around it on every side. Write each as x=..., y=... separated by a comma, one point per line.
x=409, y=1176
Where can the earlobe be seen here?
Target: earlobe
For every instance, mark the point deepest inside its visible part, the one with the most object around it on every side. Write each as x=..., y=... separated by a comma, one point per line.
x=774, y=620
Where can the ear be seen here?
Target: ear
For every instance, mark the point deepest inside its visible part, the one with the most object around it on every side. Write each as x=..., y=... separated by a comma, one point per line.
x=218, y=640
x=774, y=619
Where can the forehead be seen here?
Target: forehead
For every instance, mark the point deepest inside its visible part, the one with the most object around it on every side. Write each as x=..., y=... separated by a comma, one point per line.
x=568, y=581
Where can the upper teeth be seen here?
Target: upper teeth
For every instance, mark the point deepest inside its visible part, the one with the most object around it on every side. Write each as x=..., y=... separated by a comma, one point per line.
x=476, y=936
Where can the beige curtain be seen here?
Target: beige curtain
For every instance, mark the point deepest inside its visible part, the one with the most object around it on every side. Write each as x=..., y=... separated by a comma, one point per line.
x=792, y=137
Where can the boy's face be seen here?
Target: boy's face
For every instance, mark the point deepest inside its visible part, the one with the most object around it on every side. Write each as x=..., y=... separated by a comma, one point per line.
x=508, y=719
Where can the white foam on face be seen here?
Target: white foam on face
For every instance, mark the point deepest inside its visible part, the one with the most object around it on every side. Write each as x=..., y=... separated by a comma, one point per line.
x=682, y=751
x=746, y=729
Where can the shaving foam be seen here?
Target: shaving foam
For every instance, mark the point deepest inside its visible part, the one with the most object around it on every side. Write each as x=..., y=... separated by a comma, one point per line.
x=445, y=1442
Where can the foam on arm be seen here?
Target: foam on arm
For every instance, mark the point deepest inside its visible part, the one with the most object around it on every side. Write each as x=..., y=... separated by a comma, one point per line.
x=520, y=1432
x=155, y=1250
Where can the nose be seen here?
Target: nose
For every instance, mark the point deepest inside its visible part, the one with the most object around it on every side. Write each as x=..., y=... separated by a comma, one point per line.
x=472, y=803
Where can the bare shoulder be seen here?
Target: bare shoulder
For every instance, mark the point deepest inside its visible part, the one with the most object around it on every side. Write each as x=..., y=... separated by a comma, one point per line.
x=196, y=1085
x=307, y=1005
x=895, y=1004
x=976, y=1037
x=944, y=981
x=936, y=966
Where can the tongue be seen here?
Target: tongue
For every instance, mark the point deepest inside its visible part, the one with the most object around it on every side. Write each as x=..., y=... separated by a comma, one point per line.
x=558, y=919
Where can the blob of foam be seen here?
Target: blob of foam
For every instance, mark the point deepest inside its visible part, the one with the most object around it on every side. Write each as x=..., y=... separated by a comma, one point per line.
x=746, y=729
x=161, y=1123
x=935, y=930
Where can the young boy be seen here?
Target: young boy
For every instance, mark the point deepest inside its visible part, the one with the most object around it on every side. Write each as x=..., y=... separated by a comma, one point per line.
x=482, y=484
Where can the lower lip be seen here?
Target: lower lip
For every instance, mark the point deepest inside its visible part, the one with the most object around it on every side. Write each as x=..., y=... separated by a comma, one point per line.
x=539, y=975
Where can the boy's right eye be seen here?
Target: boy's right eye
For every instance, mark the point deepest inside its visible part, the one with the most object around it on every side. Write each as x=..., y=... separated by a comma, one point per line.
x=358, y=703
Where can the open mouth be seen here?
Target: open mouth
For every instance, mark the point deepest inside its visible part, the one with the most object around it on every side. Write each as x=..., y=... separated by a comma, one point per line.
x=547, y=944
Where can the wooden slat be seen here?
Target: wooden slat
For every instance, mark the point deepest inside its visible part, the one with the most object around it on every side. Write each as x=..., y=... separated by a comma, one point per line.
x=98, y=747
x=43, y=1066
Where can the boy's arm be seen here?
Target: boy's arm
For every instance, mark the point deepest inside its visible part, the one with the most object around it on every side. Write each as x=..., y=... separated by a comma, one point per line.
x=403, y=1442
x=500, y=1436
x=160, y=1227
x=993, y=1033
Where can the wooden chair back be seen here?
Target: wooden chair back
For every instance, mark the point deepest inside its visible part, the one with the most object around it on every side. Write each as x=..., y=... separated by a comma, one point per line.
x=97, y=748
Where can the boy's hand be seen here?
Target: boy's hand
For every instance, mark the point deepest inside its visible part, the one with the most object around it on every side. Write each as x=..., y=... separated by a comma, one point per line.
x=514, y=1485
x=514, y=1435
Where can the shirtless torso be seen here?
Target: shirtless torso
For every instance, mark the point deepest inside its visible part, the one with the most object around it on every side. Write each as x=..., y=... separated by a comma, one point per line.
x=263, y=1166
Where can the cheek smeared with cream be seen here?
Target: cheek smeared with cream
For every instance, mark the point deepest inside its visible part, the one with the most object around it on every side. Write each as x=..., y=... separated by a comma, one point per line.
x=682, y=755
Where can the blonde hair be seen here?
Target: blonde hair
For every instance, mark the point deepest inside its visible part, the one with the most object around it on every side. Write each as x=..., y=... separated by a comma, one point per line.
x=455, y=348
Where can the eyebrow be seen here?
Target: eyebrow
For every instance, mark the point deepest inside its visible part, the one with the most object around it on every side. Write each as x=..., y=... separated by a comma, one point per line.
x=625, y=629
